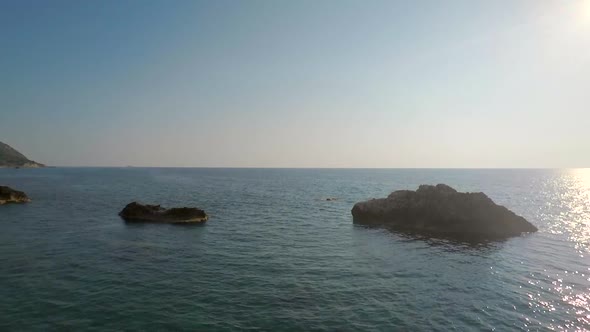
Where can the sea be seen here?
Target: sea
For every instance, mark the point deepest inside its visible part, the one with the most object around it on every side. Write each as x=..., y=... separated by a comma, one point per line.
x=275, y=255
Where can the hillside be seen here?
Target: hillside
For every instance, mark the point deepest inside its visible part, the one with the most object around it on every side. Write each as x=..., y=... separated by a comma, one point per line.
x=9, y=157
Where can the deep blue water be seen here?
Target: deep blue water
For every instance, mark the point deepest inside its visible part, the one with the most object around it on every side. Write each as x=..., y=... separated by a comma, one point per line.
x=276, y=256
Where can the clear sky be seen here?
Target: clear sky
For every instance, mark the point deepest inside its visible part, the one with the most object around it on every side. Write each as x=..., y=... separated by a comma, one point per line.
x=457, y=83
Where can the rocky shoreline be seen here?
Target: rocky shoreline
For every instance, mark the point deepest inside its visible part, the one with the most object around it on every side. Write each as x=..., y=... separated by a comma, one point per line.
x=11, y=158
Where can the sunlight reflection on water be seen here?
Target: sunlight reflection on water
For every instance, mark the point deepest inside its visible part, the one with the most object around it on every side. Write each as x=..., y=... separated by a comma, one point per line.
x=573, y=202
x=570, y=203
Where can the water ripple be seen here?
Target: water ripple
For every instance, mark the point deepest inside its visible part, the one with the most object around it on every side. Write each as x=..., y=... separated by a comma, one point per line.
x=277, y=256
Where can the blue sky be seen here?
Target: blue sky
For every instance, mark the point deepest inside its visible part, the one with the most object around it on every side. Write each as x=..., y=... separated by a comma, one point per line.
x=297, y=83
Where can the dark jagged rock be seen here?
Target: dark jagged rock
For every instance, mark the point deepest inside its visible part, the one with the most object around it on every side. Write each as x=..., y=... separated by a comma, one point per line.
x=9, y=157
x=135, y=212
x=441, y=209
x=9, y=195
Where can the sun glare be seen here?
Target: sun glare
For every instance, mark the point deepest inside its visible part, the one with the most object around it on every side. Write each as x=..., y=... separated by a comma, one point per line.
x=585, y=9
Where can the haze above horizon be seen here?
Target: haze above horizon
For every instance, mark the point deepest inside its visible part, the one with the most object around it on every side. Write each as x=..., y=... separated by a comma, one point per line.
x=326, y=84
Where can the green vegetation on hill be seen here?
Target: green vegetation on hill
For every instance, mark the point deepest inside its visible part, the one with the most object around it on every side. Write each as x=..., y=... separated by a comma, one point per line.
x=9, y=157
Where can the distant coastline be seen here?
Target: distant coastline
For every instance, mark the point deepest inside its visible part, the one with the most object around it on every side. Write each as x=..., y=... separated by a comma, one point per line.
x=11, y=158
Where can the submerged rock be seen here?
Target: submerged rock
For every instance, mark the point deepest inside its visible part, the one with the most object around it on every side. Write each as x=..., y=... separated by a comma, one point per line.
x=135, y=212
x=441, y=209
x=9, y=195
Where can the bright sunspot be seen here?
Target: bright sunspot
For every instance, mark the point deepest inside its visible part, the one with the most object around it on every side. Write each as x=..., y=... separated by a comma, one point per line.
x=585, y=10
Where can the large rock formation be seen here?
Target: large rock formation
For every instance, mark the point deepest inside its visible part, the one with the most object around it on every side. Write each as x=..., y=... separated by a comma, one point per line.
x=441, y=209
x=9, y=195
x=135, y=212
x=9, y=157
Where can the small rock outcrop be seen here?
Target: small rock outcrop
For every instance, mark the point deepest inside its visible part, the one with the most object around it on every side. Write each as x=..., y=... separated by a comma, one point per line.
x=9, y=195
x=442, y=209
x=135, y=212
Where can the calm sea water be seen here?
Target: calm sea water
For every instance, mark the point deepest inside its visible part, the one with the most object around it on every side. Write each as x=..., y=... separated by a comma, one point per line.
x=276, y=256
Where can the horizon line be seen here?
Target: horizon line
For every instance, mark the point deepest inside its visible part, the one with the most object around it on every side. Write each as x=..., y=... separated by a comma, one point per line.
x=327, y=168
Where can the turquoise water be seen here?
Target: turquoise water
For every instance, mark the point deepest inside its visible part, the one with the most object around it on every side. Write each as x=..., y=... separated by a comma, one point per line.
x=276, y=256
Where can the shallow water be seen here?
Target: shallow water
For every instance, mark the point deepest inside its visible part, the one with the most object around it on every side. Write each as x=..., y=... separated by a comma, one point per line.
x=275, y=255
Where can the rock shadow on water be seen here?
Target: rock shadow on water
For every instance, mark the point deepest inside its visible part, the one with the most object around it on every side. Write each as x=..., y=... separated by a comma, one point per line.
x=146, y=225
x=445, y=241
